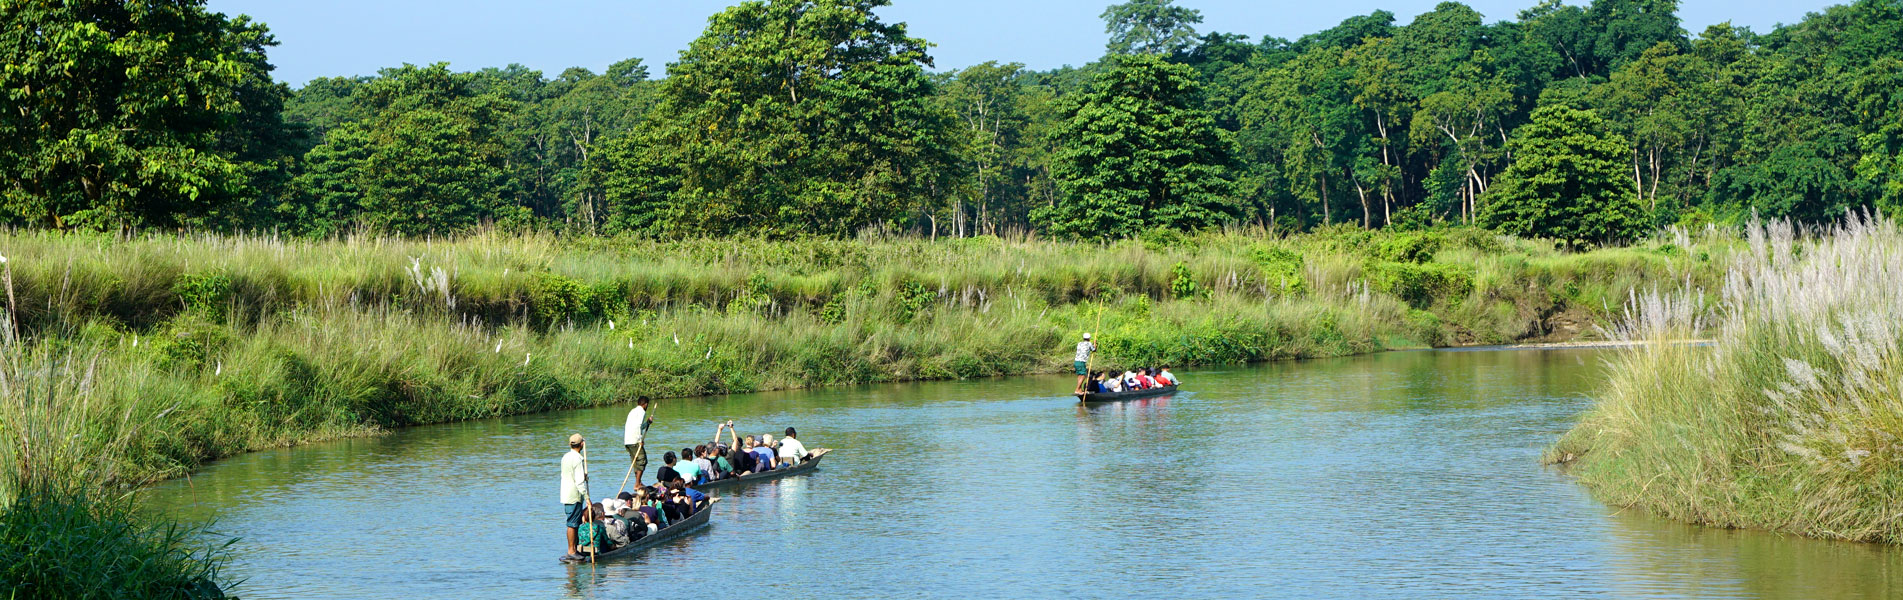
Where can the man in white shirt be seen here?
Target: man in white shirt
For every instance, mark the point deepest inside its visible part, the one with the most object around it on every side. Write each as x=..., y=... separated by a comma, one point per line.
x=1082, y=363
x=574, y=490
x=791, y=450
x=635, y=437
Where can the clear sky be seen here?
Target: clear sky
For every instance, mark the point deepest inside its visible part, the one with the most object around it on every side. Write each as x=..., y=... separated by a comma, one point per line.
x=357, y=37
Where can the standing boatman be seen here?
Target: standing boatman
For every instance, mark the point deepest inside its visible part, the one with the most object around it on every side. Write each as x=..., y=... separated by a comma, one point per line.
x=635, y=438
x=574, y=490
x=1082, y=364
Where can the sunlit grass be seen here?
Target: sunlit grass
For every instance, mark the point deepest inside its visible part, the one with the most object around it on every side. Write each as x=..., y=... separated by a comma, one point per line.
x=1790, y=420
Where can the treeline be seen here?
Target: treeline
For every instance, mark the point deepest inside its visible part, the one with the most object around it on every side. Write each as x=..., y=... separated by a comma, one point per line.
x=815, y=117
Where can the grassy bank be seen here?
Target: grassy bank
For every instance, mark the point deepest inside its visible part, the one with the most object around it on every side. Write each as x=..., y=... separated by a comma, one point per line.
x=256, y=342
x=1790, y=420
x=65, y=530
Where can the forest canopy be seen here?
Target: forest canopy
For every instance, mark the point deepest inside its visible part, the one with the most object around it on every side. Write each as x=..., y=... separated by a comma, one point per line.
x=787, y=118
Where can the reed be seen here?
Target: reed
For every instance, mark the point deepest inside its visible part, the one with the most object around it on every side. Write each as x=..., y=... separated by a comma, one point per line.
x=69, y=525
x=1789, y=420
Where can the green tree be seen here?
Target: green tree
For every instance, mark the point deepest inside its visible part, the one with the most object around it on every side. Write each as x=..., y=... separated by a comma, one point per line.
x=1156, y=27
x=988, y=99
x=427, y=160
x=1880, y=92
x=1567, y=181
x=788, y=117
x=1138, y=152
x=113, y=111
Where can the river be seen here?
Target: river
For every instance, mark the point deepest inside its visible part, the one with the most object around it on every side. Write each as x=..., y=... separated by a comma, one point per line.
x=1397, y=475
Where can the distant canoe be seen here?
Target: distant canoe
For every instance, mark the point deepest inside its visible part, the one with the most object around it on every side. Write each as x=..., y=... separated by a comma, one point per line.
x=811, y=463
x=673, y=530
x=1132, y=395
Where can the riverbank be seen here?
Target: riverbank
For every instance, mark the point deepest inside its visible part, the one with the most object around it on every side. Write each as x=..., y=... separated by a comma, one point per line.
x=1789, y=420
x=254, y=342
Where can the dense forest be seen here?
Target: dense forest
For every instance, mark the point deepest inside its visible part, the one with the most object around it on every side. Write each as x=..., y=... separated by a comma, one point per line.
x=791, y=118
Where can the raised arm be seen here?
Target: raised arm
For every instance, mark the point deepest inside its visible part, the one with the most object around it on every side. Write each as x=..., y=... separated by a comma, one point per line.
x=717, y=428
x=732, y=438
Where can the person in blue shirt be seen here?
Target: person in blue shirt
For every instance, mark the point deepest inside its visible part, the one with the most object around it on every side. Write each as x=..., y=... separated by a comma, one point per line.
x=700, y=499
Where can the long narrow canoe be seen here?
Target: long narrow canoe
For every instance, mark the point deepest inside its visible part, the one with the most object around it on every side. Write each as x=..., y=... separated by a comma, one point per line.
x=1132, y=395
x=811, y=463
x=671, y=531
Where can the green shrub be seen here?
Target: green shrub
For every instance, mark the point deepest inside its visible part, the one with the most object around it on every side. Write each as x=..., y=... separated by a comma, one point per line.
x=1158, y=239
x=1420, y=285
x=205, y=293
x=555, y=299
x=1183, y=283
x=1281, y=269
x=1416, y=248
x=914, y=299
x=188, y=342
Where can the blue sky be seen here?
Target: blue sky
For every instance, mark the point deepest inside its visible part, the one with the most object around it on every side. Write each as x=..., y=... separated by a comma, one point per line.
x=357, y=37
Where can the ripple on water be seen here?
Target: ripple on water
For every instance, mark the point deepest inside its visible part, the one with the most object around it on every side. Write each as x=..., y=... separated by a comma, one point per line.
x=1404, y=475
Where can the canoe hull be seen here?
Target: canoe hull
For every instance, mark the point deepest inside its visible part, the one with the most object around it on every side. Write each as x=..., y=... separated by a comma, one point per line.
x=1119, y=396
x=745, y=480
x=672, y=531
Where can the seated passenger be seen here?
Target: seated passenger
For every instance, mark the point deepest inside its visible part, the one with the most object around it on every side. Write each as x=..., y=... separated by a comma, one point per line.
x=1168, y=377
x=667, y=470
x=650, y=509
x=743, y=457
x=686, y=467
x=613, y=525
x=723, y=468
x=792, y=452
x=590, y=536
x=1112, y=383
x=633, y=524
x=764, y=450
x=1095, y=385
x=703, y=459
x=697, y=497
x=1130, y=381
x=1143, y=375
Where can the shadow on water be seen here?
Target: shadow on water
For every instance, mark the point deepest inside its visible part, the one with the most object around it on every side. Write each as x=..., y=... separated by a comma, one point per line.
x=1400, y=475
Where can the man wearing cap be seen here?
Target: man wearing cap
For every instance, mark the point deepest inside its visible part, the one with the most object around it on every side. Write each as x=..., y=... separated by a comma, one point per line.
x=574, y=490
x=1082, y=364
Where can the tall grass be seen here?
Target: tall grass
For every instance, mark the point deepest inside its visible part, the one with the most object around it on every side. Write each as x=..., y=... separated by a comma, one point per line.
x=1790, y=420
x=68, y=526
x=255, y=342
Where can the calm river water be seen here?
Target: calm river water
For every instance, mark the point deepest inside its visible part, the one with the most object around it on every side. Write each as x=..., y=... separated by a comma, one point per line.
x=1399, y=475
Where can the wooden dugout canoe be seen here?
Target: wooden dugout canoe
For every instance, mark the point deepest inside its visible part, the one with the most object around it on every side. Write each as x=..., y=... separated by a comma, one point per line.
x=811, y=463
x=1116, y=396
x=673, y=530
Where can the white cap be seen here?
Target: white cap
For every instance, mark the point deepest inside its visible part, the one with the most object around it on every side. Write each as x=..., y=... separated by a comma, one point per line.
x=1086, y=336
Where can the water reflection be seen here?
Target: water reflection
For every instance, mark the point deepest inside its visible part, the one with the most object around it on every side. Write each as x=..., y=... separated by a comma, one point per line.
x=1402, y=475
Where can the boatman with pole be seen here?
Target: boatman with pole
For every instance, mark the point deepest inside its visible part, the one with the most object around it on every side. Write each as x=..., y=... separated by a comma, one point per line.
x=574, y=491
x=635, y=438
x=1082, y=364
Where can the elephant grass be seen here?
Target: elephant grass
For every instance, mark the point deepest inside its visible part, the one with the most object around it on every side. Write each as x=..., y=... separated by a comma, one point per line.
x=1790, y=420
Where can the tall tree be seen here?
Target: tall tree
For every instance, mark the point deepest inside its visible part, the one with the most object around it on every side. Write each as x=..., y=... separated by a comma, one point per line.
x=1138, y=152
x=1567, y=182
x=988, y=99
x=789, y=117
x=1156, y=27
x=113, y=111
x=427, y=160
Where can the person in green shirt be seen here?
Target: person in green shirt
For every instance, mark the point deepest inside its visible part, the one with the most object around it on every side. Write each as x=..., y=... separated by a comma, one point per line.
x=593, y=537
